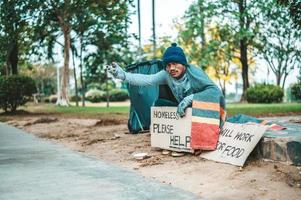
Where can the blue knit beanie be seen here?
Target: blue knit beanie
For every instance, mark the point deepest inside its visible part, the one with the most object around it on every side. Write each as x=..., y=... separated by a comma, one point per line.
x=174, y=54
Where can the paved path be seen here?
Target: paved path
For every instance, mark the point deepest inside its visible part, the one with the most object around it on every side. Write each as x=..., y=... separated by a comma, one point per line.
x=31, y=168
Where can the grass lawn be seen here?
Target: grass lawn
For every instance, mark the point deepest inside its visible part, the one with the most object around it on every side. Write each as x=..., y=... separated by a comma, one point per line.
x=50, y=108
x=257, y=110
x=261, y=110
x=99, y=112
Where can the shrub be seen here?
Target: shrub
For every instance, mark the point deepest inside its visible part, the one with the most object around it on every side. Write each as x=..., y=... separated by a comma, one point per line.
x=15, y=91
x=110, y=86
x=95, y=95
x=264, y=93
x=46, y=100
x=94, y=85
x=73, y=98
x=37, y=97
x=53, y=98
x=296, y=91
x=118, y=95
x=50, y=99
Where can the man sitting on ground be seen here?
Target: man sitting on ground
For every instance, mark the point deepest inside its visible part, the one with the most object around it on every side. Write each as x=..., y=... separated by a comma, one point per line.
x=185, y=81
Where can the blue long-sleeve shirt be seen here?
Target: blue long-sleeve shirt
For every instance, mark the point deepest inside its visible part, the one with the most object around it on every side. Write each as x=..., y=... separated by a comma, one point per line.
x=181, y=88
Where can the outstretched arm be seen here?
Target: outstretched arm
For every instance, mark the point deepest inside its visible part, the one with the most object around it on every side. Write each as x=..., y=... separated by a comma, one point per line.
x=137, y=79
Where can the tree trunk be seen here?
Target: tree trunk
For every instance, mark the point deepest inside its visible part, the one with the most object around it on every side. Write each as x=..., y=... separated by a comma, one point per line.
x=42, y=90
x=201, y=9
x=75, y=80
x=107, y=91
x=245, y=67
x=223, y=88
x=139, y=23
x=9, y=53
x=222, y=85
x=4, y=70
x=7, y=65
x=63, y=99
x=244, y=48
x=278, y=78
x=13, y=57
x=202, y=28
x=154, y=28
x=284, y=79
x=81, y=72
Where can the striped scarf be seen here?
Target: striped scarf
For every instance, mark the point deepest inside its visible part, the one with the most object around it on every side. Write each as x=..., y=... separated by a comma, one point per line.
x=208, y=116
x=208, y=110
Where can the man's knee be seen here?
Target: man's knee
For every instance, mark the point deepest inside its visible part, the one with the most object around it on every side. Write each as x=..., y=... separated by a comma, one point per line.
x=165, y=102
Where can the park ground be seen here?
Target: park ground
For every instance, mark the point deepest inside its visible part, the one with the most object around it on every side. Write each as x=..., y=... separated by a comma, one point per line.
x=105, y=136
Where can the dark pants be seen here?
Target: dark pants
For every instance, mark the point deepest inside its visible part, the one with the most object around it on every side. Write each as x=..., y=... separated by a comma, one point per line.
x=165, y=102
x=166, y=98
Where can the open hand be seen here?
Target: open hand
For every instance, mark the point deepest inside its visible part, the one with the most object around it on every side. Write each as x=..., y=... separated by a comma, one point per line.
x=116, y=71
x=186, y=102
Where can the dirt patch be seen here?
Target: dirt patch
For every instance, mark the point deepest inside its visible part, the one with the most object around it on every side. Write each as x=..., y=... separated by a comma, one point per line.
x=291, y=178
x=106, y=122
x=41, y=120
x=107, y=139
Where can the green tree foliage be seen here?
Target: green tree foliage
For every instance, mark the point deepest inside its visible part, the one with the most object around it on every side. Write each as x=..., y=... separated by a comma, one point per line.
x=192, y=32
x=109, y=38
x=54, y=18
x=207, y=43
x=95, y=95
x=84, y=33
x=100, y=24
x=294, y=7
x=296, y=91
x=264, y=93
x=118, y=95
x=15, y=34
x=220, y=55
x=240, y=18
x=43, y=75
x=280, y=41
x=15, y=90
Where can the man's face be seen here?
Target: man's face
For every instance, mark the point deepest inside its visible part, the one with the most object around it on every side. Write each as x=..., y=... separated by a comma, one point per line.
x=176, y=70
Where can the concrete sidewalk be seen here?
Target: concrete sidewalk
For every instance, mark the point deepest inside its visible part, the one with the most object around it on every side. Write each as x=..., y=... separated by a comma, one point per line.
x=31, y=168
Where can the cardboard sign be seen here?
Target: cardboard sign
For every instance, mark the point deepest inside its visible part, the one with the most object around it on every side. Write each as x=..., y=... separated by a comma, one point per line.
x=236, y=142
x=169, y=131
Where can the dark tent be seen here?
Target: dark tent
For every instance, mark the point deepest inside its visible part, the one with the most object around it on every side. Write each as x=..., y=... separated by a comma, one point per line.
x=143, y=97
